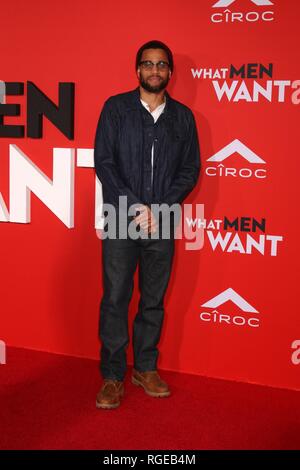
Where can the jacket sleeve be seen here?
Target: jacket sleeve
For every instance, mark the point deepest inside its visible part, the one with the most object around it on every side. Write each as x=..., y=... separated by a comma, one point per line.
x=105, y=158
x=188, y=172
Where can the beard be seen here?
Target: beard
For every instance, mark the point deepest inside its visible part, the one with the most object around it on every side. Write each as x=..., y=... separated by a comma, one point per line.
x=154, y=88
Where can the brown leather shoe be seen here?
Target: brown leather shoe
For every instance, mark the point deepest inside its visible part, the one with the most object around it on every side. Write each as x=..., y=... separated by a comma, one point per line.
x=110, y=394
x=151, y=383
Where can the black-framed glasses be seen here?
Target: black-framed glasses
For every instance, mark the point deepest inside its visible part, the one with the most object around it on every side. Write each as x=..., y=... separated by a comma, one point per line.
x=148, y=64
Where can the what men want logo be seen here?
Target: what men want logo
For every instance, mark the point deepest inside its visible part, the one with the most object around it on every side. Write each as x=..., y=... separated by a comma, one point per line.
x=264, y=12
x=250, y=82
x=255, y=165
x=240, y=235
x=216, y=313
x=26, y=178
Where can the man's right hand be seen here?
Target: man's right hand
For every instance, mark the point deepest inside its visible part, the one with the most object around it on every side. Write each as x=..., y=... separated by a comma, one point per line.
x=146, y=219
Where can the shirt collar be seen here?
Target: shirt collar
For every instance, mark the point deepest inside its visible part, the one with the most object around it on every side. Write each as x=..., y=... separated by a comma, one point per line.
x=157, y=109
x=136, y=102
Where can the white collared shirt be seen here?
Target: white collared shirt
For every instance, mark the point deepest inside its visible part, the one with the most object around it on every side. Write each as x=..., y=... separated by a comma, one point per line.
x=155, y=113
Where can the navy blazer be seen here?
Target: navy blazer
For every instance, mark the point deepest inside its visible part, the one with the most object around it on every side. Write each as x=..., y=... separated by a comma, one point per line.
x=122, y=155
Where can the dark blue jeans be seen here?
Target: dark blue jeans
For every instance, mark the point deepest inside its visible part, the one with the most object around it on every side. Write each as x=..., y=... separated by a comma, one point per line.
x=119, y=260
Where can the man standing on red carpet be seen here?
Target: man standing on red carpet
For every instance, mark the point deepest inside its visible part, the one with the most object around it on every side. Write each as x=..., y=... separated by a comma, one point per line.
x=146, y=151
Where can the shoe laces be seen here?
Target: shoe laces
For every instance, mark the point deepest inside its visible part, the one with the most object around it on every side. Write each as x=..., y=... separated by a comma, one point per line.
x=112, y=382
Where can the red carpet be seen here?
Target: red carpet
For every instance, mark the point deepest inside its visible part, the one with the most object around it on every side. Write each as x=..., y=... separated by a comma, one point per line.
x=48, y=402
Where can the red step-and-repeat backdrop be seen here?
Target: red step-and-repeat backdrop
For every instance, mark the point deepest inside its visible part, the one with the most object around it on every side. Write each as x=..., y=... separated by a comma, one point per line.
x=231, y=307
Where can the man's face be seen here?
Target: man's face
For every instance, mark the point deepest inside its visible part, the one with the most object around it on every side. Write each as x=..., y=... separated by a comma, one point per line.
x=155, y=79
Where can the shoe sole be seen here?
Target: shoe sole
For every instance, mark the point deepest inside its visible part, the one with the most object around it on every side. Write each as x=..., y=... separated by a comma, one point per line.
x=107, y=407
x=152, y=394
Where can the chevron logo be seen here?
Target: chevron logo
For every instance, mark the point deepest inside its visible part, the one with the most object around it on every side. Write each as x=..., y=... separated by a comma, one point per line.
x=227, y=3
x=236, y=146
x=230, y=294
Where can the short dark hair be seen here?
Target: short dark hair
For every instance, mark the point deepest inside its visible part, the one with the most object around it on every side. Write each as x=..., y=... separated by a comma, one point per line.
x=154, y=45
